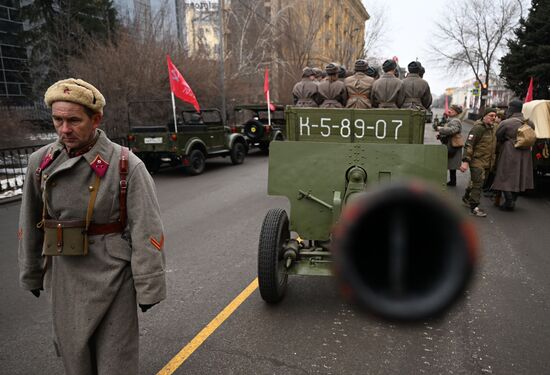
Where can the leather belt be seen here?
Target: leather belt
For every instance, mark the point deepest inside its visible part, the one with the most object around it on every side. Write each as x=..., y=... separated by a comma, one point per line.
x=93, y=230
x=96, y=229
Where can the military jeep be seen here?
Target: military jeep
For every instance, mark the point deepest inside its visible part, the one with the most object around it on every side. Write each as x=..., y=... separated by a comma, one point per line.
x=253, y=122
x=197, y=137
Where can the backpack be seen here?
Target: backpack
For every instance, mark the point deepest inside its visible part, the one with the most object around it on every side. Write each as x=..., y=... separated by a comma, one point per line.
x=525, y=136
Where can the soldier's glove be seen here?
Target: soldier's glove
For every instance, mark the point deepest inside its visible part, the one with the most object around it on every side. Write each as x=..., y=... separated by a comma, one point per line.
x=36, y=292
x=144, y=308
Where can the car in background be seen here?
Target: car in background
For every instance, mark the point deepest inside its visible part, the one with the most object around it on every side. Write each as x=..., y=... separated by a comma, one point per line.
x=253, y=122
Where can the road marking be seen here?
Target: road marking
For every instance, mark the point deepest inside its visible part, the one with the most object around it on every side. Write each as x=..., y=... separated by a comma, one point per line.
x=201, y=337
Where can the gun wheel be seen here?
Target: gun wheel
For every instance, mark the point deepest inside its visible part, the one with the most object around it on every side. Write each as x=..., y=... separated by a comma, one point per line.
x=272, y=276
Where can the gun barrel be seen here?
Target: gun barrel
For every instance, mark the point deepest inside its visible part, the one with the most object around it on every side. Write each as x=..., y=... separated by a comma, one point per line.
x=403, y=252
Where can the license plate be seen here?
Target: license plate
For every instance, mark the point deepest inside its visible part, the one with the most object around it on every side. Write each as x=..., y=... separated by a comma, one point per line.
x=154, y=140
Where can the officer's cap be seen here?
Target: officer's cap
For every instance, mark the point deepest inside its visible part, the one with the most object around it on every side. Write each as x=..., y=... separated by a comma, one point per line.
x=414, y=67
x=332, y=68
x=389, y=65
x=75, y=91
x=361, y=65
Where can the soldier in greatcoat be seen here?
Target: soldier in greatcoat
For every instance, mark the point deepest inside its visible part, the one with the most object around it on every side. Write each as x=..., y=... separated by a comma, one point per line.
x=514, y=172
x=387, y=91
x=332, y=91
x=359, y=86
x=415, y=89
x=373, y=73
x=306, y=92
x=86, y=196
x=445, y=132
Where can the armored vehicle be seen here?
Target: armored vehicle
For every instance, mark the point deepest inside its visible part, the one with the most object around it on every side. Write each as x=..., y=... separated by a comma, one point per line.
x=197, y=137
x=253, y=122
x=367, y=205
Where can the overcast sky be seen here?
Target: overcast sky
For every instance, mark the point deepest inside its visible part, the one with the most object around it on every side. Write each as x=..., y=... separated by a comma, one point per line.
x=409, y=29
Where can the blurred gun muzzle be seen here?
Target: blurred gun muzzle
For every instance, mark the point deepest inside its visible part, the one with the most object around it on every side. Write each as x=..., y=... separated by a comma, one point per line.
x=404, y=252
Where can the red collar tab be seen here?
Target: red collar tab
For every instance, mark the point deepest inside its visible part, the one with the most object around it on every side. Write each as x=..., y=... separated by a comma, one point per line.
x=99, y=165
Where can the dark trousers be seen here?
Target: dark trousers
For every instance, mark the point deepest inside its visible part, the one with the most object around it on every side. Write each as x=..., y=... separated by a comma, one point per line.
x=473, y=191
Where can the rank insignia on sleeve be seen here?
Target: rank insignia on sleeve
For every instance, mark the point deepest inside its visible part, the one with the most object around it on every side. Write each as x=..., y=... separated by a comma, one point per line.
x=470, y=137
x=158, y=245
x=99, y=165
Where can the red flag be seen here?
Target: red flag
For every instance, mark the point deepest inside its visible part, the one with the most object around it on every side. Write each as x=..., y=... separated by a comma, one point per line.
x=266, y=90
x=179, y=86
x=529, y=95
x=446, y=104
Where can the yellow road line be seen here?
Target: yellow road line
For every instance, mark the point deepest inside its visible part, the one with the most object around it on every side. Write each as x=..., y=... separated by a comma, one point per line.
x=201, y=337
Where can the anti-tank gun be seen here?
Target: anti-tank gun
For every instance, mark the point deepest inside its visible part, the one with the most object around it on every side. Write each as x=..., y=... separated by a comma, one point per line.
x=367, y=206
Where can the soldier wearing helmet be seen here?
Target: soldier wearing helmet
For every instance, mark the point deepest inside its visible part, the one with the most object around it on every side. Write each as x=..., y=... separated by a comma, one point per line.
x=333, y=91
x=359, y=86
x=387, y=91
x=415, y=89
x=306, y=92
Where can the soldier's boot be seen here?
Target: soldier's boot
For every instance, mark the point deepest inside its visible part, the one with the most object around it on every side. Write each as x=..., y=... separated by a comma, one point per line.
x=509, y=202
x=452, y=177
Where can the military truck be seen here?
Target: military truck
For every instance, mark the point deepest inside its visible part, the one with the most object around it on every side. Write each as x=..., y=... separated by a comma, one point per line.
x=367, y=205
x=197, y=137
x=538, y=111
x=252, y=122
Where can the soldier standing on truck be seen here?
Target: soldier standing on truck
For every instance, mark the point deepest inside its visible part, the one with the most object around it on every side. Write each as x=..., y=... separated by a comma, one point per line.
x=359, y=86
x=387, y=91
x=415, y=89
x=333, y=91
x=90, y=234
x=373, y=73
x=306, y=92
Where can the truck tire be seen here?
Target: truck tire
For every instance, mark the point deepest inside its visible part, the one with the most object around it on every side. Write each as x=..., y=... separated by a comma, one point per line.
x=272, y=275
x=238, y=153
x=197, y=162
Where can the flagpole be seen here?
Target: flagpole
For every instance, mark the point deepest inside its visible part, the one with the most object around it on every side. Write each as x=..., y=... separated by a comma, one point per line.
x=268, y=109
x=174, y=109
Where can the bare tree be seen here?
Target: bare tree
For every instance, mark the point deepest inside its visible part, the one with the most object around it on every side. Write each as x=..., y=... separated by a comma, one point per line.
x=473, y=34
x=375, y=29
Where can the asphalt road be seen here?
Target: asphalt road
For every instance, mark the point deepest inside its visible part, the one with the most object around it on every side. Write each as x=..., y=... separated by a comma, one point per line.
x=212, y=221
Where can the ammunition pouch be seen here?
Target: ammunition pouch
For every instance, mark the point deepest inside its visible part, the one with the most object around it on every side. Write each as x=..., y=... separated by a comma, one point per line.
x=65, y=237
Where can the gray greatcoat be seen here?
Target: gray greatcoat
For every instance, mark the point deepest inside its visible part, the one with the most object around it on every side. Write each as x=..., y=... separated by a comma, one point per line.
x=454, y=156
x=514, y=166
x=94, y=297
x=416, y=92
x=306, y=93
x=333, y=94
x=359, y=88
x=387, y=92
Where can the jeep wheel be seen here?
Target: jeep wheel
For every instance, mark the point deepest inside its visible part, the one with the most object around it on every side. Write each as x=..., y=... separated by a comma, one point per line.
x=197, y=162
x=238, y=153
x=152, y=164
x=272, y=275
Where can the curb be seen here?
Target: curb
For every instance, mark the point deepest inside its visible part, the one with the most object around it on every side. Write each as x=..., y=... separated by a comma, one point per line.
x=10, y=199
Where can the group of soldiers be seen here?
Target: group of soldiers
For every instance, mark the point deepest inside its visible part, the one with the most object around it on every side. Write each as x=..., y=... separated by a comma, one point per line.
x=364, y=88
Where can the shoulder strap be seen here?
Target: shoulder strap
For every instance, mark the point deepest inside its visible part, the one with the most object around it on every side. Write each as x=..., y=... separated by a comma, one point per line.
x=123, y=168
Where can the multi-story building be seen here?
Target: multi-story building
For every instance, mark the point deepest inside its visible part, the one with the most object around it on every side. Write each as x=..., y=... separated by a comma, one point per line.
x=14, y=88
x=133, y=9
x=468, y=95
x=284, y=35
